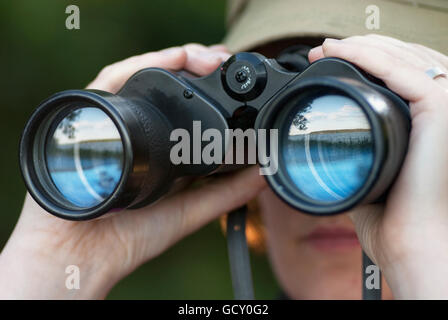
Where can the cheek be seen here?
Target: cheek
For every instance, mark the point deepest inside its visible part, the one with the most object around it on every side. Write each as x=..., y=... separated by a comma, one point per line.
x=302, y=272
x=282, y=222
x=283, y=226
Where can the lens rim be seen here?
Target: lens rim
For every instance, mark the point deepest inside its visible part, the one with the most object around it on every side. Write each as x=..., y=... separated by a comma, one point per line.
x=55, y=122
x=284, y=117
x=32, y=155
x=281, y=183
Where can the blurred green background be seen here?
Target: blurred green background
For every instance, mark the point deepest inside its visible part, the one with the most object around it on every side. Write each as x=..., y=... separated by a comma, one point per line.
x=39, y=56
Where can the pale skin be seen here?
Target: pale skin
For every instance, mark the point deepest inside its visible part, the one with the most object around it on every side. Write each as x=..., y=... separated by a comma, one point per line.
x=401, y=236
x=407, y=238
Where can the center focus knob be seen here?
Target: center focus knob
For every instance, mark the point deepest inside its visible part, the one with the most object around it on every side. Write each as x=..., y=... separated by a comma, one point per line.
x=244, y=76
x=241, y=75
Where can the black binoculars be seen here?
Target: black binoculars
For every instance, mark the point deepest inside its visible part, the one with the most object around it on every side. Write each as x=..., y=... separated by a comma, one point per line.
x=327, y=139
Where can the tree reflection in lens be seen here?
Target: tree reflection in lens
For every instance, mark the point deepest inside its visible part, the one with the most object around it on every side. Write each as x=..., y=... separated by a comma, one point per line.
x=84, y=157
x=328, y=151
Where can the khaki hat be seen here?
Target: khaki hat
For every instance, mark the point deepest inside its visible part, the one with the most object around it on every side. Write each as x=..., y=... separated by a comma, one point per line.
x=256, y=22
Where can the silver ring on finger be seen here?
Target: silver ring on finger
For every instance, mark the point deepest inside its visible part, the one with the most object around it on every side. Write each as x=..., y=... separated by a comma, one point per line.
x=435, y=72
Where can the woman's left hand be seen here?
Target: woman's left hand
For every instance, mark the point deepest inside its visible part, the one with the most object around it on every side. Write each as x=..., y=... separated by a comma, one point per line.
x=409, y=239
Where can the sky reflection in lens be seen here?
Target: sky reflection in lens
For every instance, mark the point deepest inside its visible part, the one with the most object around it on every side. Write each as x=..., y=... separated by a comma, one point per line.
x=328, y=151
x=85, y=157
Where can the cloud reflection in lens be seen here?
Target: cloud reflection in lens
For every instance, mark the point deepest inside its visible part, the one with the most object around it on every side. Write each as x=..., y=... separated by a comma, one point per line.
x=328, y=149
x=84, y=157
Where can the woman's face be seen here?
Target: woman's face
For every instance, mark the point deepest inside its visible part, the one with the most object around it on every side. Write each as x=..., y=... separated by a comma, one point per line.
x=313, y=257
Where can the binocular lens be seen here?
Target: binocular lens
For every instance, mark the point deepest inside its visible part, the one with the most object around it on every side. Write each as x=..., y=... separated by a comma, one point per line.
x=328, y=148
x=84, y=156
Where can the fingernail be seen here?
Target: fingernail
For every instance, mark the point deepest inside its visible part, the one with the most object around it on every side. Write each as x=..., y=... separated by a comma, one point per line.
x=314, y=50
x=213, y=55
x=218, y=47
x=224, y=55
x=332, y=41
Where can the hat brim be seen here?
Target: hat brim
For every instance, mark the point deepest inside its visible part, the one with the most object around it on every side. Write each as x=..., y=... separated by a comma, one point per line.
x=264, y=21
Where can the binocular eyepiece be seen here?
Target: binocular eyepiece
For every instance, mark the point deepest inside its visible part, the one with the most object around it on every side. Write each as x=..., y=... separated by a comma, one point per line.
x=327, y=138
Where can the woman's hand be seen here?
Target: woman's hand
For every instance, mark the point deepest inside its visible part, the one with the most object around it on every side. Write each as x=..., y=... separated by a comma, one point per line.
x=34, y=261
x=409, y=239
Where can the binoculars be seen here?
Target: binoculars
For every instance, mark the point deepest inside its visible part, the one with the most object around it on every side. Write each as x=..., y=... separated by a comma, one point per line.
x=327, y=139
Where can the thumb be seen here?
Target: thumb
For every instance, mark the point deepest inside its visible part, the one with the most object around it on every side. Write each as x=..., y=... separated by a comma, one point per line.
x=366, y=220
x=159, y=226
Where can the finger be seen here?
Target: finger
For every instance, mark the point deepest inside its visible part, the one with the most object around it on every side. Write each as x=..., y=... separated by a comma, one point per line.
x=190, y=210
x=202, y=60
x=393, y=47
x=430, y=57
x=443, y=81
x=219, y=47
x=416, y=55
x=195, y=47
x=405, y=80
x=315, y=54
x=200, y=48
x=389, y=40
x=113, y=77
x=443, y=59
x=403, y=51
x=396, y=48
x=367, y=221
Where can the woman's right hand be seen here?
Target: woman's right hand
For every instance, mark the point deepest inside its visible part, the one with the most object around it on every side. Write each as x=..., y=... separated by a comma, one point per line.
x=34, y=261
x=407, y=236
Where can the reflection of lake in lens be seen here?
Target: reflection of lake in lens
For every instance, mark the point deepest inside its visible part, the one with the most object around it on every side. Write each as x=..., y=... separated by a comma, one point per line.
x=85, y=157
x=328, y=149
